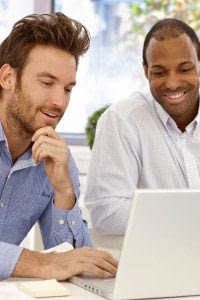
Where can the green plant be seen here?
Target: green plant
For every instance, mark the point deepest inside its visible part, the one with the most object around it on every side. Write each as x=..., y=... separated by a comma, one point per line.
x=147, y=12
x=91, y=125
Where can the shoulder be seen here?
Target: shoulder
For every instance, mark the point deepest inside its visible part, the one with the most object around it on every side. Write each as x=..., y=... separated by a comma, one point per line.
x=133, y=107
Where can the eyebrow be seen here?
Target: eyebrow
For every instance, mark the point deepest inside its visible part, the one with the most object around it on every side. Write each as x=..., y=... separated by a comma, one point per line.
x=186, y=62
x=157, y=66
x=46, y=74
x=181, y=64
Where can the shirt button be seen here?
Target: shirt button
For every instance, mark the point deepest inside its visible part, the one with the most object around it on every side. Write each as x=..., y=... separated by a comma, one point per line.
x=73, y=222
x=2, y=204
x=61, y=222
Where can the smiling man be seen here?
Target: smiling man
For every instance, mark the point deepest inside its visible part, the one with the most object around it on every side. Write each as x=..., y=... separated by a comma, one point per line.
x=39, y=178
x=149, y=140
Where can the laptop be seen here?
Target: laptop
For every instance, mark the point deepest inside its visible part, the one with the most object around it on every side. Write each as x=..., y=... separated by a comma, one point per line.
x=160, y=255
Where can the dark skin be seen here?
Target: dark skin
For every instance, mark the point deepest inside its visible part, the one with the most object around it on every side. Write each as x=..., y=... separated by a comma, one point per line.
x=173, y=74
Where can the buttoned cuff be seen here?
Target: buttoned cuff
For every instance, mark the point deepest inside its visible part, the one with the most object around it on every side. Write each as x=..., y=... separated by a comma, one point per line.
x=8, y=259
x=68, y=223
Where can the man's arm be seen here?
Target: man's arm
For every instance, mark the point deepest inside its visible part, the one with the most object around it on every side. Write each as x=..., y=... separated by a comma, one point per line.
x=114, y=170
x=50, y=148
x=64, y=265
x=62, y=220
x=58, y=225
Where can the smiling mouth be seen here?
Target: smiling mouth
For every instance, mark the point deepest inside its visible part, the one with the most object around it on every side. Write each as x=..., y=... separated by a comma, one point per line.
x=50, y=114
x=177, y=97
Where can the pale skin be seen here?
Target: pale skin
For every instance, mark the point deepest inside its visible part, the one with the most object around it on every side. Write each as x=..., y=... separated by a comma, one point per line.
x=49, y=147
x=29, y=114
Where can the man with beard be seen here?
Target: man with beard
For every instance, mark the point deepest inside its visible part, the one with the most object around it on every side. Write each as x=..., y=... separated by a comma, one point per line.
x=39, y=179
x=149, y=140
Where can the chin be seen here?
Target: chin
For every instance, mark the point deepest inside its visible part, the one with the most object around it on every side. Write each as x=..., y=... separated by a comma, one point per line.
x=51, y=125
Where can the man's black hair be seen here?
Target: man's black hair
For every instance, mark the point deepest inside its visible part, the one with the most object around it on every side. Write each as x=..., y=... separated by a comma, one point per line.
x=167, y=29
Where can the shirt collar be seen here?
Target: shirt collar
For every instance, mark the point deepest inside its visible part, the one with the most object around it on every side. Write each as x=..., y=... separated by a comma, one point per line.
x=26, y=159
x=2, y=134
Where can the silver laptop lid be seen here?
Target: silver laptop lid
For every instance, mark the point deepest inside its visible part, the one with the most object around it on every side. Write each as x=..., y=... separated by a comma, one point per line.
x=161, y=250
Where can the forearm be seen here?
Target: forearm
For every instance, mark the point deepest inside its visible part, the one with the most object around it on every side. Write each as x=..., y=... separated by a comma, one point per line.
x=33, y=264
x=64, y=199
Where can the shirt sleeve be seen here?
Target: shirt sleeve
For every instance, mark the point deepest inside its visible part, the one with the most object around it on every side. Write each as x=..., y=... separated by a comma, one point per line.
x=69, y=226
x=59, y=225
x=9, y=255
x=113, y=173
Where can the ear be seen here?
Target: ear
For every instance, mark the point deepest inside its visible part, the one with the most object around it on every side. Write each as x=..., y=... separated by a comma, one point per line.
x=6, y=76
x=145, y=70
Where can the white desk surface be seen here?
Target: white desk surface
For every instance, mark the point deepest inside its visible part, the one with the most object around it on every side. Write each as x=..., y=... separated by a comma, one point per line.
x=77, y=293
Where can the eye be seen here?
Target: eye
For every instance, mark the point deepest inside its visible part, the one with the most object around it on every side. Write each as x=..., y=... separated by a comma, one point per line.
x=68, y=90
x=47, y=83
x=157, y=73
x=186, y=70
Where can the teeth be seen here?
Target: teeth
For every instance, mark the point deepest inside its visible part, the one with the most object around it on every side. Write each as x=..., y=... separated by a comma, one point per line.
x=175, y=96
x=51, y=115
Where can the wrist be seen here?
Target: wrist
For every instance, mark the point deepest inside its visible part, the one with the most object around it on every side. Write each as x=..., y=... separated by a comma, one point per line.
x=33, y=264
x=64, y=199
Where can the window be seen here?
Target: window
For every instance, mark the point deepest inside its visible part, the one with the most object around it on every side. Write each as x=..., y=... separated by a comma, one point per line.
x=112, y=68
x=11, y=11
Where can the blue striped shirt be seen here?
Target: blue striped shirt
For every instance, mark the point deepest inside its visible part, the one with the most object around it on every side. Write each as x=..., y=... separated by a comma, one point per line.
x=26, y=196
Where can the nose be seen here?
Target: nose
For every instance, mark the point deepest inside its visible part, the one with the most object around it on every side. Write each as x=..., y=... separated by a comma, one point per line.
x=172, y=81
x=59, y=99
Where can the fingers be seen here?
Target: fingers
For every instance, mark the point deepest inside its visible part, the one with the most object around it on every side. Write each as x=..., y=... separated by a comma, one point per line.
x=98, y=262
x=47, y=147
x=92, y=269
x=96, y=253
x=47, y=143
x=106, y=256
x=103, y=267
x=47, y=131
x=50, y=148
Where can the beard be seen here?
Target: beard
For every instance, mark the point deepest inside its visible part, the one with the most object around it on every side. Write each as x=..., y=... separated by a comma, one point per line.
x=17, y=114
x=21, y=114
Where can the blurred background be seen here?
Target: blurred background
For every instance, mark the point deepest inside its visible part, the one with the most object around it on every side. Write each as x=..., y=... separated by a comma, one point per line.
x=110, y=71
x=112, y=68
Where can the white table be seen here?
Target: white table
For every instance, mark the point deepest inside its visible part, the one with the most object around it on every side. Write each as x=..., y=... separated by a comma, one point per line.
x=77, y=293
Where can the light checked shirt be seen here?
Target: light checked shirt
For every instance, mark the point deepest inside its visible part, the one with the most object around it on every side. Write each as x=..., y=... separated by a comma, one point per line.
x=138, y=145
x=26, y=196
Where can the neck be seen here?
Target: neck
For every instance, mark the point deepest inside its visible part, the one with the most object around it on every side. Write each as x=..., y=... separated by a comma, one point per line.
x=188, y=118
x=18, y=141
x=17, y=146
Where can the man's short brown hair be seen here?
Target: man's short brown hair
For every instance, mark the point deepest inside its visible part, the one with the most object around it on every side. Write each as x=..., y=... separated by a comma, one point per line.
x=54, y=29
